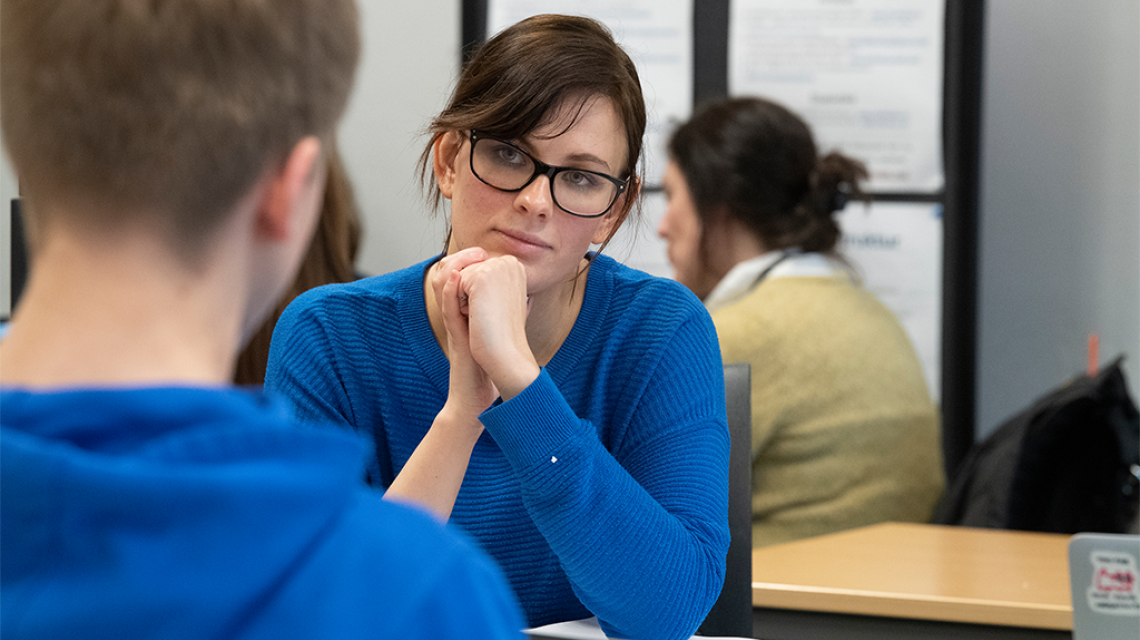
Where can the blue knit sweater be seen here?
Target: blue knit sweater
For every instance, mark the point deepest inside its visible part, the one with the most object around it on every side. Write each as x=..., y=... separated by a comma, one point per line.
x=601, y=489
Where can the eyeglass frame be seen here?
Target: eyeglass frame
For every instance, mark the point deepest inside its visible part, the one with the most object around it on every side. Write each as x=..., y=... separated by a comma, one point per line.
x=543, y=169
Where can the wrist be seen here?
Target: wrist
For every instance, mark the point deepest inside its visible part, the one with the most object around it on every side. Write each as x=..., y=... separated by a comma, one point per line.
x=516, y=379
x=463, y=427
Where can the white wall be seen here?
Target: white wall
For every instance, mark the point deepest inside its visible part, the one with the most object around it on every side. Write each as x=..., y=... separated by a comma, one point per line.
x=410, y=60
x=1060, y=197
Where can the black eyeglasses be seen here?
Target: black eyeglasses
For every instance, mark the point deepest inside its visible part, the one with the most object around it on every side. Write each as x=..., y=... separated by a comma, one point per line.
x=579, y=192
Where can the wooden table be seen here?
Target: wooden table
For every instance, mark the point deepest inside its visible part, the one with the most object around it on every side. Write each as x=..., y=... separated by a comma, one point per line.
x=913, y=581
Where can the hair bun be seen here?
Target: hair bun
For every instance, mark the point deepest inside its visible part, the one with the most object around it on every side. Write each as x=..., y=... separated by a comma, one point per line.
x=841, y=196
x=838, y=179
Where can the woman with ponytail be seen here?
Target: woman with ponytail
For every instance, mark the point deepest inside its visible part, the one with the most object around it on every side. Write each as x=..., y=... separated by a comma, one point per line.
x=844, y=431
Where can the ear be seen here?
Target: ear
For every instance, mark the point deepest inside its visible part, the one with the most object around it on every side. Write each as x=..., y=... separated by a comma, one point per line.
x=445, y=153
x=293, y=192
x=613, y=220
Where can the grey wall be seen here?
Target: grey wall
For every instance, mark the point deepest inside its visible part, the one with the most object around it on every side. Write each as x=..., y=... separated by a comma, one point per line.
x=1060, y=201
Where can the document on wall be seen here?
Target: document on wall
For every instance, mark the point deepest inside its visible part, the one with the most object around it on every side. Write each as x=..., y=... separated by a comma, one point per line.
x=865, y=74
x=658, y=36
x=897, y=250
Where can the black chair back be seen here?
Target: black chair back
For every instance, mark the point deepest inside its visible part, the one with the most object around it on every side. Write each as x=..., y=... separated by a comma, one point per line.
x=731, y=615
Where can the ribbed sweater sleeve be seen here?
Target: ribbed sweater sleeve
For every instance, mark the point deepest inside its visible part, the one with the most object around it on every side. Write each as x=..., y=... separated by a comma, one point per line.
x=640, y=539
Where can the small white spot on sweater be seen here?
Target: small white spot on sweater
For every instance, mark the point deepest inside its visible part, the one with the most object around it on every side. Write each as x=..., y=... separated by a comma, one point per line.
x=553, y=459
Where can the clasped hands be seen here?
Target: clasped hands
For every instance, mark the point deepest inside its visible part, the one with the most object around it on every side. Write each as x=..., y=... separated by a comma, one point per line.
x=484, y=304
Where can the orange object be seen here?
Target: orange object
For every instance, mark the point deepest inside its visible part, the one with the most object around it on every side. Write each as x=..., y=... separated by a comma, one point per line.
x=1094, y=354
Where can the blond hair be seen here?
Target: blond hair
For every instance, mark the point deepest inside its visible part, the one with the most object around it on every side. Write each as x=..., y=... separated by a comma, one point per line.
x=174, y=108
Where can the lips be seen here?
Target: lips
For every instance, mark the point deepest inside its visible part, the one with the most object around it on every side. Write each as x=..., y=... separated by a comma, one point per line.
x=524, y=241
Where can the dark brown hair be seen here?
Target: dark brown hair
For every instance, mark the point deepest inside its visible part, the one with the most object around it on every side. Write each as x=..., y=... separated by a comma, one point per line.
x=514, y=82
x=174, y=108
x=756, y=161
x=331, y=258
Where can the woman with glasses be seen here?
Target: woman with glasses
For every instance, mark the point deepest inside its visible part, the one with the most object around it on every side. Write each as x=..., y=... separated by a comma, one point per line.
x=566, y=411
x=844, y=432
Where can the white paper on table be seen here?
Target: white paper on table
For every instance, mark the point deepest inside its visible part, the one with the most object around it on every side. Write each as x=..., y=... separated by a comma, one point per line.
x=588, y=629
x=865, y=74
x=658, y=36
x=897, y=249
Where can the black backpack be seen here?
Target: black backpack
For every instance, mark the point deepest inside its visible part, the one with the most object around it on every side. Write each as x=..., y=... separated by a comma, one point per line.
x=1069, y=463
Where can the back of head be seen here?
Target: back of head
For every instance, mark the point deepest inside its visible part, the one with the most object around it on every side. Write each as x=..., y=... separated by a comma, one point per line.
x=754, y=160
x=513, y=83
x=116, y=107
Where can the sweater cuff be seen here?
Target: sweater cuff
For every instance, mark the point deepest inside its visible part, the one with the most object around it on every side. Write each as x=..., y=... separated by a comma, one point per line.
x=534, y=425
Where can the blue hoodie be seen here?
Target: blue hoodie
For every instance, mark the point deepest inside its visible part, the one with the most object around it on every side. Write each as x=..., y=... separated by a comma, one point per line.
x=206, y=513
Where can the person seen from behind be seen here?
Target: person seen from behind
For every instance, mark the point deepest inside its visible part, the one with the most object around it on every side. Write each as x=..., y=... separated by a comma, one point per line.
x=172, y=158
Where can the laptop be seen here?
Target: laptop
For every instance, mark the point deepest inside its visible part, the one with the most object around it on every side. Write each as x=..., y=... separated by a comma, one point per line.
x=1105, y=584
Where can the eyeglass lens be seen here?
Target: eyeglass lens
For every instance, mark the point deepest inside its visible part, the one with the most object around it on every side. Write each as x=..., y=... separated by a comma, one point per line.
x=506, y=167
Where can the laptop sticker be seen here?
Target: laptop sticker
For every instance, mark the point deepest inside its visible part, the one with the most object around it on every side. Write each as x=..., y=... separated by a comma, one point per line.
x=1114, y=588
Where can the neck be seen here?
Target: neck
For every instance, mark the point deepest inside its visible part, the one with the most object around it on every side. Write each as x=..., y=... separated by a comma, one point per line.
x=132, y=316
x=553, y=314
x=734, y=243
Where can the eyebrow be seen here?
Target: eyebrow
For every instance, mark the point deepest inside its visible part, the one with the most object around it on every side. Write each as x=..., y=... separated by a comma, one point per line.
x=581, y=157
x=589, y=157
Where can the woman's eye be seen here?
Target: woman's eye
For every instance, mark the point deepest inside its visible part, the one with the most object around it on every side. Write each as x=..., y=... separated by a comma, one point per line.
x=509, y=155
x=580, y=179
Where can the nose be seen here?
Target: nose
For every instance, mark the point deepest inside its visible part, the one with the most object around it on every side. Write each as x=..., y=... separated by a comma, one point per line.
x=536, y=197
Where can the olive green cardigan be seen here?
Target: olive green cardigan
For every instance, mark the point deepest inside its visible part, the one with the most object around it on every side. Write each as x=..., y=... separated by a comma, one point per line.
x=844, y=432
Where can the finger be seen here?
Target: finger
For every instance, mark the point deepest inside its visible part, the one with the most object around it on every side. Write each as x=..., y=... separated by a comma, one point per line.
x=460, y=260
x=504, y=275
x=464, y=304
x=453, y=264
x=452, y=306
